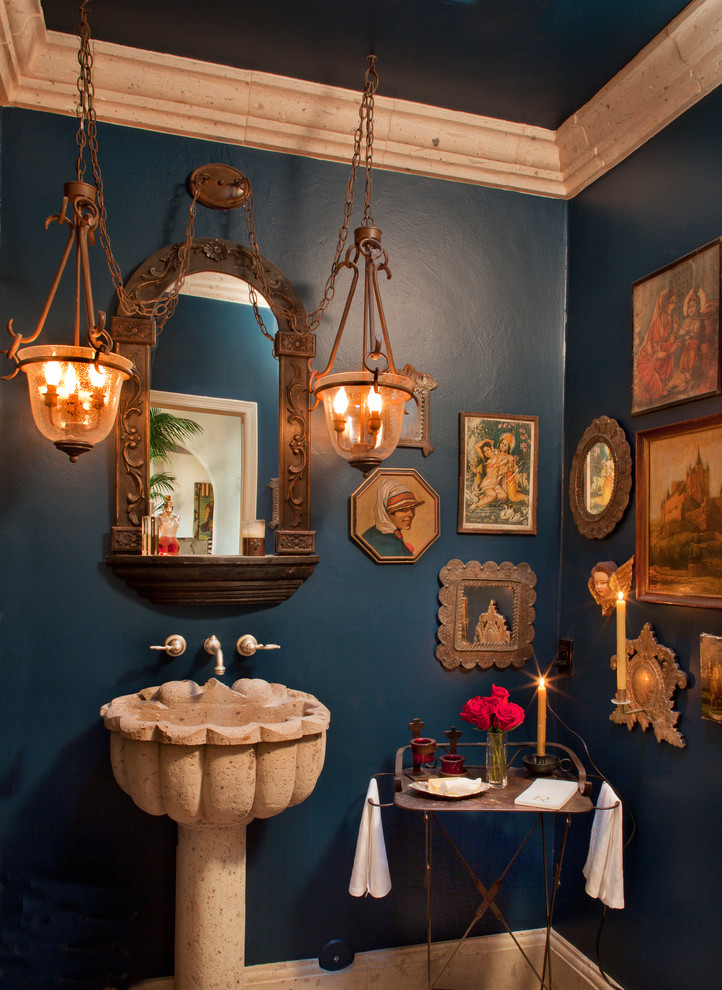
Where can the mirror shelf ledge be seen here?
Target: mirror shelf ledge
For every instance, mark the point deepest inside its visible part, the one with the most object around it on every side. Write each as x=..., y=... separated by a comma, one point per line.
x=190, y=580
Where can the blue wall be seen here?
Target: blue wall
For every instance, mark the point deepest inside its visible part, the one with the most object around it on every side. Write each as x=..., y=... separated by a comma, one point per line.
x=656, y=206
x=477, y=300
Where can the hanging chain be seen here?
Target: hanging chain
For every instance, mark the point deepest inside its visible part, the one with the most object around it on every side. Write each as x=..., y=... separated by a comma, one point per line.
x=311, y=321
x=164, y=307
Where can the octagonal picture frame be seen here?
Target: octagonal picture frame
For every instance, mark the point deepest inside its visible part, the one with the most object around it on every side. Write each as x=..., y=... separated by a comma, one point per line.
x=394, y=516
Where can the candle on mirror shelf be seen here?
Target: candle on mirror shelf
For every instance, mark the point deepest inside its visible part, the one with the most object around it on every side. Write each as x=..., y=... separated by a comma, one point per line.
x=621, y=643
x=541, y=723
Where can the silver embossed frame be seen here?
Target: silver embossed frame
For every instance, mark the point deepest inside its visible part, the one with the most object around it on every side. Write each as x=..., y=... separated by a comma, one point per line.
x=466, y=596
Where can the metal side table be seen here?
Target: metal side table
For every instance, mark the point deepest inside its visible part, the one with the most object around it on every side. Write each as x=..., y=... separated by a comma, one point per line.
x=435, y=807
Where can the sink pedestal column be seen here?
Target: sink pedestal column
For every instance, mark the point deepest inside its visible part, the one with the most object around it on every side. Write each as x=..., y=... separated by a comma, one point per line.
x=210, y=914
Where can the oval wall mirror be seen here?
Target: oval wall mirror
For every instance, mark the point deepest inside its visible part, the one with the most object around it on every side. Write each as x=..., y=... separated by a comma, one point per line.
x=213, y=348
x=601, y=478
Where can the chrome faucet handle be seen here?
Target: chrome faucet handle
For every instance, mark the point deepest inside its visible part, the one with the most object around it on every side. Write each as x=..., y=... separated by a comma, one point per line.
x=173, y=646
x=213, y=646
x=247, y=645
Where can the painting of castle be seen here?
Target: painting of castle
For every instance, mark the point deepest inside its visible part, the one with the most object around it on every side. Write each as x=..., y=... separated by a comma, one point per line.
x=681, y=539
x=690, y=500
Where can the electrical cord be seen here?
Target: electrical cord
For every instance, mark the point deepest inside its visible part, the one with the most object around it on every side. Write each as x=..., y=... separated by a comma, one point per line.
x=600, y=775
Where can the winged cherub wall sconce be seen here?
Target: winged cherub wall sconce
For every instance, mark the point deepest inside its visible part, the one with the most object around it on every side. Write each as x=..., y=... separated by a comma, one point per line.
x=607, y=580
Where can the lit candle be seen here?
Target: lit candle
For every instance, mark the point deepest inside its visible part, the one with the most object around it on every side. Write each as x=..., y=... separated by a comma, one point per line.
x=541, y=722
x=621, y=643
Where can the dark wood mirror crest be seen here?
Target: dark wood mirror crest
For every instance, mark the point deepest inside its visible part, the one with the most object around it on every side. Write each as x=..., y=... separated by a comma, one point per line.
x=601, y=478
x=214, y=579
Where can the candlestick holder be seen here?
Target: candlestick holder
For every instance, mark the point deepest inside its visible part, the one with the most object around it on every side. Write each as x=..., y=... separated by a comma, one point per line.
x=653, y=676
x=541, y=765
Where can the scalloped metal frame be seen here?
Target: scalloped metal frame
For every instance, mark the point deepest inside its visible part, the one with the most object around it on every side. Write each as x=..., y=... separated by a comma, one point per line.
x=454, y=648
x=608, y=431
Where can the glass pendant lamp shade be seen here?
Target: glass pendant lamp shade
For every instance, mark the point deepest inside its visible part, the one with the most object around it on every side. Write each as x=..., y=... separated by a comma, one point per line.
x=364, y=414
x=74, y=393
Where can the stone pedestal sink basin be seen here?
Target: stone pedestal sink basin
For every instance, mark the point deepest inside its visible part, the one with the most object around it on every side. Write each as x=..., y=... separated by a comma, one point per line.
x=213, y=758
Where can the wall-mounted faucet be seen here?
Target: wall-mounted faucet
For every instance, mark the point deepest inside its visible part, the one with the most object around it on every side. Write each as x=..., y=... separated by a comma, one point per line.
x=213, y=647
x=174, y=646
x=247, y=646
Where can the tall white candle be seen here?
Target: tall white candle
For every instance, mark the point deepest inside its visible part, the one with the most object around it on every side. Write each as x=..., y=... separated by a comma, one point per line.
x=621, y=643
x=541, y=721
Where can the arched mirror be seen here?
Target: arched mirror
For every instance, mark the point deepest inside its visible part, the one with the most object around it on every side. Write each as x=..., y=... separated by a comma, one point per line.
x=217, y=353
x=601, y=478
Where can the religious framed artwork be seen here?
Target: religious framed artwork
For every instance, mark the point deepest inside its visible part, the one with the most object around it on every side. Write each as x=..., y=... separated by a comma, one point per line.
x=498, y=458
x=394, y=516
x=676, y=332
x=679, y=513
x=710, y=666
x=486, y=616
x=202, y=511
x=415, y=428
x=600, y=478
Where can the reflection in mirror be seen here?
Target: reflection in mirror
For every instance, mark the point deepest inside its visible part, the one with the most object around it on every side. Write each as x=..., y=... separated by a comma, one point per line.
x=599, y=476
x=213, y=348
x=487, y=614
x=211, y=476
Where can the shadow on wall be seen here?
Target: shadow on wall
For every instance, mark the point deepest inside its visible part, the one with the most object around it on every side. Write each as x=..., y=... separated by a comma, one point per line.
x=77, y=908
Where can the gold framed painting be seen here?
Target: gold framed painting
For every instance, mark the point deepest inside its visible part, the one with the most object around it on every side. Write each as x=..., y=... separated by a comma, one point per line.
x=679, y=513
x=394, y=516
x=497, y=473
x=676, y=332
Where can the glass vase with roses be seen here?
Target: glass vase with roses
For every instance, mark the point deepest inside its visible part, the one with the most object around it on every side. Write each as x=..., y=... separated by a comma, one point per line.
x=495, y=715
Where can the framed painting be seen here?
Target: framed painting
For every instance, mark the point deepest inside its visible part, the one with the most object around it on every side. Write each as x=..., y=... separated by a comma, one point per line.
x=676, y=332
x=710, y=666
x=679, y=513
x=394, y=516
x=202, y=511
x=497, y=473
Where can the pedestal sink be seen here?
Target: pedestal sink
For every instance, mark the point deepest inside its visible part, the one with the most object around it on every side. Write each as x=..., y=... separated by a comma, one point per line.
x=213, y=758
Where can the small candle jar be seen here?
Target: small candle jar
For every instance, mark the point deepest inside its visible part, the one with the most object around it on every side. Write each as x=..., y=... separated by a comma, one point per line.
x=254, y=537
x=452, y=765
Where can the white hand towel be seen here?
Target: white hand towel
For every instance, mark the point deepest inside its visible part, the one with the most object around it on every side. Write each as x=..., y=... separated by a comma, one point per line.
x=370, y=873
x=604, y=868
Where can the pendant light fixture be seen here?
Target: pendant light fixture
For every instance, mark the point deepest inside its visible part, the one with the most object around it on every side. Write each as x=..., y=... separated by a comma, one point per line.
x=364, y=407
x=75, y=389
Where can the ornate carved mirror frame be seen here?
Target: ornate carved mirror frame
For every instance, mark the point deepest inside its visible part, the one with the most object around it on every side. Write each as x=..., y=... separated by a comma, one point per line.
x=508, y=592
x=213, y=579
x=596, y=524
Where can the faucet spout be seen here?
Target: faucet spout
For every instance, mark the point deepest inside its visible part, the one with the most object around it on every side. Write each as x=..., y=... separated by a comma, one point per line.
x=213, y=646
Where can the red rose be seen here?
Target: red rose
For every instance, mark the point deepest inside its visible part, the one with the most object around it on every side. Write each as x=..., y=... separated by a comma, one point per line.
x=508, y=715
x=493, y=712
x=477, y=711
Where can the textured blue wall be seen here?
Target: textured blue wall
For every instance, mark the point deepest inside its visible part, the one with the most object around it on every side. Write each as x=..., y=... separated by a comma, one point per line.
x=653, y=208
x=477, y=300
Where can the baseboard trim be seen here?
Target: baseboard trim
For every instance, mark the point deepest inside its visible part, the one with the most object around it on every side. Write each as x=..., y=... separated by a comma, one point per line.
x=489, y=962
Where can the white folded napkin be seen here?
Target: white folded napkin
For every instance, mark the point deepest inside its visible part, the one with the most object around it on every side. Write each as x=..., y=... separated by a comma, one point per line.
x=604, y=868
x=454, y=788
x=370, y=874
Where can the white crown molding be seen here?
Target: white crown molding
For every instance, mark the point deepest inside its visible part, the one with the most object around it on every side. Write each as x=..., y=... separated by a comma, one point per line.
x=159, y=92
